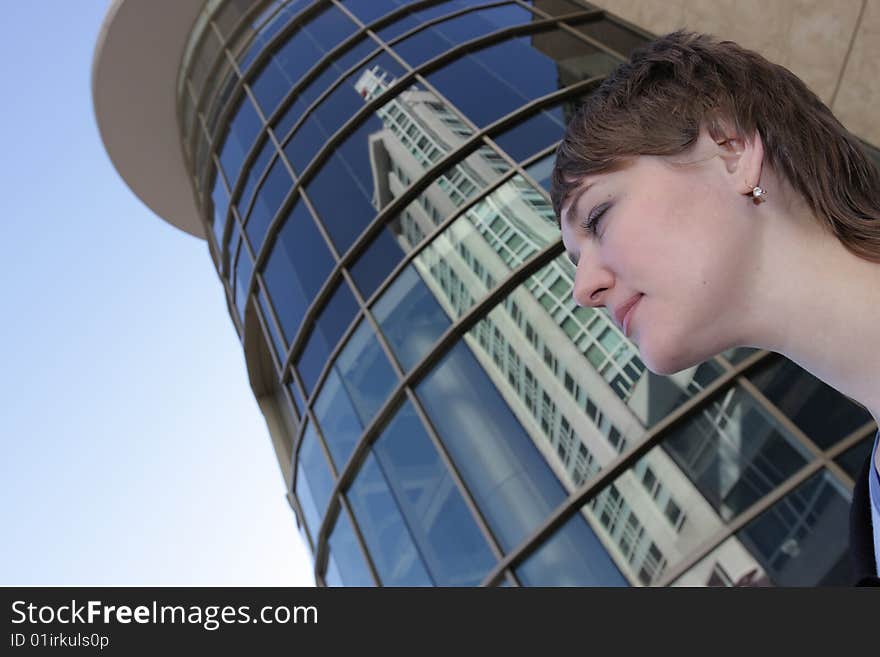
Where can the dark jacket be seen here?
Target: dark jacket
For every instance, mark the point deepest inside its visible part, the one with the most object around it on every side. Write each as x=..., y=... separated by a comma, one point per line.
x=861, y=536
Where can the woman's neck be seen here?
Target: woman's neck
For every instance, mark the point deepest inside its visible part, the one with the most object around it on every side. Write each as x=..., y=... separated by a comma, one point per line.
x=819, y=305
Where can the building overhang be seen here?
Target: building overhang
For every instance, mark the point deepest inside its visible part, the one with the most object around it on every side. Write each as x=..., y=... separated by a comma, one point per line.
x=134, y=87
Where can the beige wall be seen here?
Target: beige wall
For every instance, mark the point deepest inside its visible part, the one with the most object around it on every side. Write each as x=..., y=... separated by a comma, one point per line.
x=833, y=46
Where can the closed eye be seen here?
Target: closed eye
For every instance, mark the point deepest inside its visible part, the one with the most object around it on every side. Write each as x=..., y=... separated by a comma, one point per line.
x=591, y=221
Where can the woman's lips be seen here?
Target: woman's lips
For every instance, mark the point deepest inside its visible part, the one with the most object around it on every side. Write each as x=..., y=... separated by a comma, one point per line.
x=628, y=316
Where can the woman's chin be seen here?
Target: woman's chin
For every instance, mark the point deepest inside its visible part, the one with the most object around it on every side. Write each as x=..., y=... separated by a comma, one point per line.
x=668, y=361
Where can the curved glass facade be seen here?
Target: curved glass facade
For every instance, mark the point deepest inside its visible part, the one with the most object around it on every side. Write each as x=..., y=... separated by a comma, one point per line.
x=373, y=179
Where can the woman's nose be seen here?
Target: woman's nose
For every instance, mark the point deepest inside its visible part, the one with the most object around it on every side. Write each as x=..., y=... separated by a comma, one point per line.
x=592, y=281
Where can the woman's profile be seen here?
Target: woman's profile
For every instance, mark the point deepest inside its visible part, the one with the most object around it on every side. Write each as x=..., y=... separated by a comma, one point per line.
x=710, y=200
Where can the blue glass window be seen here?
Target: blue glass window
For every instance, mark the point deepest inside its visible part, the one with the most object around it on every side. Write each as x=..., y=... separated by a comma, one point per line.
x=270, y=195
x=611, y=34
x=449, y=541
x=802, y=540
x=542, y=170
x=314, y=482
x=241, y=135
x=339, y=106
x=277, y=342
x=440, y=37
x=345, y=215
x=416, y=18
x=366, y=372
x=374, y=265
x=385, y=533
x=534, y=134
x=220, y=199
x=817, y=409
x=370, y=10
x=346, y=565
x=269, y=30
x=258, y=166
x=310, y=93
x=500, y=78
x=508, y=477
x=298, y=54
x=244, y=268
x=329, y=326
x=297, y=267
x=298, y=403
x=410, y=317
x=338, y=420
x=573, y=556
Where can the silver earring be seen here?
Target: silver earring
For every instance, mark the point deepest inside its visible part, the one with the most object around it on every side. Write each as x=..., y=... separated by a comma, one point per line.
x=758, y=194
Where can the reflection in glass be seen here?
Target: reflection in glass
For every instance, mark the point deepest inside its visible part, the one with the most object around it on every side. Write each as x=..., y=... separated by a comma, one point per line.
x=339, y=422
x=244, y=268
x=802, y=540
x=314, y=482
x=499, y=78
x=269, y=30
x=220, y=200
x=258, y=166
x=452, y=547
x=816, y=408
x=365, y=371
x=385, y=532
x=277, y=342
x=853, y=459
x=735, y=452
x=410, y=317
x=345, y=562
x=327, y=328
x=298, y=402
x=537, y=132
x=417, y=18
x=435, y=39
x=611, y=34
x=243, y=130
x=297, y=54
x=298, y=264
x=270, y=195
x=542, y=170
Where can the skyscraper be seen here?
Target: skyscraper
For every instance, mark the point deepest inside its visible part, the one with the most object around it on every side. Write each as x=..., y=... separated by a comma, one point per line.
x=371, y=180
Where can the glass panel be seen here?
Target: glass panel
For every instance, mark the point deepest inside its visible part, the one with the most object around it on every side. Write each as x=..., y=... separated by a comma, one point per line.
x=269, y=30
x=339, y=422
x=735, y=452
x=298, y=54
x=448, y=191
x=339, y=64
x=298, y=402
x=328, y=327
x=385, y=532
x=410, y=317
x=366, y=82
x=297, y=267
x=536, y=132
x=853, y=459
x=816, y=408
x=314, y=482
x=611, y=34
x=244, y=268
x=243, y=130
x=498, y=79
x=498, y=460
x=346, y=565
x=220, y=199
x=541, y=171
x=573, y=556
x=560, y=7
x=426, y=44
x=370, y=10
x=451, y=544
x=366, y=372
x=802, y=540
x=277, y=342
x=208, y=51
x=270, y=195
x=253, y=175
x=418, y=17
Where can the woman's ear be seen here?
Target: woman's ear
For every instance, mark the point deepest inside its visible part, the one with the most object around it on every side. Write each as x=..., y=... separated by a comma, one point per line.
x=743, y=158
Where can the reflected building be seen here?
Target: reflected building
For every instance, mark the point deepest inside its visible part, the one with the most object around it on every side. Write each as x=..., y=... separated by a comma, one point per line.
x=371, y=180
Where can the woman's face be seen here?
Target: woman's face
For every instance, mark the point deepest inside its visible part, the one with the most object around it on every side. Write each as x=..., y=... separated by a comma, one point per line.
x=680, y=236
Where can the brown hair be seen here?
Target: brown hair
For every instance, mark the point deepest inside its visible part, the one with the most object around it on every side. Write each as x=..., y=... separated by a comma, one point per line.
x=655, y=104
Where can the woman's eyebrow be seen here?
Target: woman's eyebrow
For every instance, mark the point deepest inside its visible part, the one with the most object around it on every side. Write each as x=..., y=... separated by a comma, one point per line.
x=573, y=205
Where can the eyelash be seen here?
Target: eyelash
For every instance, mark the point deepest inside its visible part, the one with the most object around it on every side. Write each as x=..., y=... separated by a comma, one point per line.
x=590, y=223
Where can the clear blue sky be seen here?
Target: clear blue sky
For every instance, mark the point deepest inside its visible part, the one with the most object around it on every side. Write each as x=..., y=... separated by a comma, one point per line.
x=133, y=450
